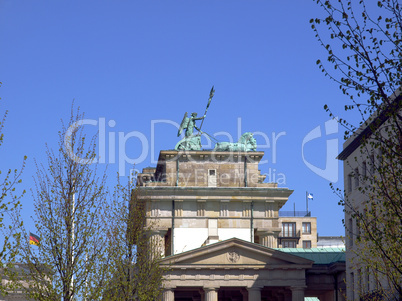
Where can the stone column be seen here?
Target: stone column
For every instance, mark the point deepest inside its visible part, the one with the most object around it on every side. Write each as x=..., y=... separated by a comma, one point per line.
x=267, y=238
x=211, y=294
x=254, y=293
x=264, y=239
x=157, y=241
x=297, y=293
x=168, y=295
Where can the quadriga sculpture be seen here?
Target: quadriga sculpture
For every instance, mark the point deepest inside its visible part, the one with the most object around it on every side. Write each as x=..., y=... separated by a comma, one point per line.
x=246, y=143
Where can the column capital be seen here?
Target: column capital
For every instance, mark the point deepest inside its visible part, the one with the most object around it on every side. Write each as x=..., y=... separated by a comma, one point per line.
x=168, y=294
x=254, y=288
x=169, y=287
x=264, y=232
x=211, y=293
x=161, y=232
x=268, y=231
x=210, y=288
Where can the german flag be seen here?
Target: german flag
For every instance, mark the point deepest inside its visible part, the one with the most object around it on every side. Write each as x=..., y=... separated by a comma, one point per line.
x=33, y=239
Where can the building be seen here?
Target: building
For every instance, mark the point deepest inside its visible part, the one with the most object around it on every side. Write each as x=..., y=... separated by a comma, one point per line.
x=330, y=242
x=299, y=230
x=368, y=172
x=219, y=227
x=201, y=197
x=18, y=294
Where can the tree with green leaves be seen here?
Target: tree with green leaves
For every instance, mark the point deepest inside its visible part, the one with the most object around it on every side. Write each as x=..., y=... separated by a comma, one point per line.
x=9, y=205
x=89, y=248
x=135, y=270
x=363, y=40
x=70, y=207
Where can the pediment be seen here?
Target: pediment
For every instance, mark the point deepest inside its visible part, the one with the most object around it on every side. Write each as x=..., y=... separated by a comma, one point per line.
x=236, y=252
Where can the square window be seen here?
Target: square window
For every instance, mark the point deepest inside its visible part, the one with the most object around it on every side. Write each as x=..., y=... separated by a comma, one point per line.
x=288, y=244
x=306, y=228
x=306, y=244
x=289, y=229
x=212, y=178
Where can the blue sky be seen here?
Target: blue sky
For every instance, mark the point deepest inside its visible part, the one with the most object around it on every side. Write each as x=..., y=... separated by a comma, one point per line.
x=140, y=63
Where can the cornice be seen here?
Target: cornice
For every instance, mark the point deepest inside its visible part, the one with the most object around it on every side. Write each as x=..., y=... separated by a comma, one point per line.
x=174, y=192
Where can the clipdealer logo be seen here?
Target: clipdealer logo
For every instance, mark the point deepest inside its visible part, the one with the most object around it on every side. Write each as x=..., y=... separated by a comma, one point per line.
x=107, y=152
x=330, y=172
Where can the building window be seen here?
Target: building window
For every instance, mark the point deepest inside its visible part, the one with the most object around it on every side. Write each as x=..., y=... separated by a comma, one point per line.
x=356, y=176
x=288, y=244
x=306, y=244
x=200, y=208
x=349, y=182
x=359, y=280
x=350, y=230
x=211, y=177
x=367, y=279
x=380, y=157
x=306, y=228
x=358, y=229
x=289, y=229
x=364, y=170
x=372, y=164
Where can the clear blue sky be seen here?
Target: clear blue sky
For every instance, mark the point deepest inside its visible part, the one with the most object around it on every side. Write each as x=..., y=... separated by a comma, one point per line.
x=135, y=62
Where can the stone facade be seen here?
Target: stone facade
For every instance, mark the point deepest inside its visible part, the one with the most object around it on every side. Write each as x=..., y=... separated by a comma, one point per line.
x=199, y=197
x=331, y=242
x=218, y=225
x=303, y=234
x=236, y=270
x=14, y=294
x=361, y=164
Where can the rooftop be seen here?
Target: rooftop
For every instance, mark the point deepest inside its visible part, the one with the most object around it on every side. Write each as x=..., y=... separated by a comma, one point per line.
x=318, y=255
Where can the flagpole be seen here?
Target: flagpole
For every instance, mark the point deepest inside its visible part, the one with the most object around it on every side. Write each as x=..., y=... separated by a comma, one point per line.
x=72, y=245
x=307, y=202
